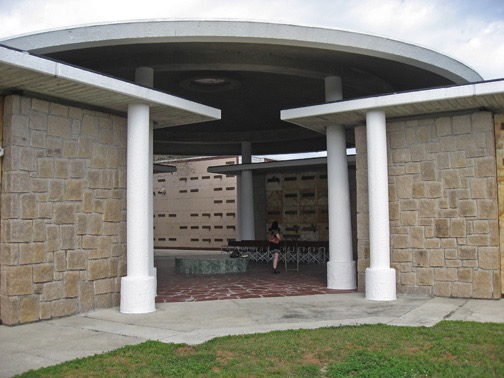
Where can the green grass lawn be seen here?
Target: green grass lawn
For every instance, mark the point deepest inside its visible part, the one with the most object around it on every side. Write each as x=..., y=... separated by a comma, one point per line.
x=450, y=349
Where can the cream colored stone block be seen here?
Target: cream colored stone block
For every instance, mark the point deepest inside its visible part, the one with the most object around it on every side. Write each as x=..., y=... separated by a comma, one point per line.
x=52, y=291
x=478, y=240
x=73, y=190
x=441, y=289
x=465, y=275
x=103, y=301
x=29, y=310
x=437, y=258
x=489, y=257
x=487, y=209
x=445, y=274
x=59, y=127
x=11, y=205
x=448, y=144
x=458, y=228
x=485, y=167
x=65, y=307
x=56, y=190
x=64, y=213
x=467, y=253
x=16, y=182
x=421, y=258
x=45, y=311
x=461, y=124
x=483, y=284
x=103, y=247
x=467, y=208
x=99, y=156
x=70, y=284
x=53, y=238
x=18, y=280
x=441, y=228
x=32, y=253
x=461, y=290
x=76, y=259
x=427, y=208
x=17, y=231
x=42, y=273
x=98, y=269
x=113, y=211
x=482, y=121
x=104, y=286
x=400, y=255
x=425, y=277
x=45, y=210
x=443, y=126
x=451, y=179
x=419, y=190
x=86, y=290
x=60, y=261
x=428, y=171
x=95, y=224
x=409, y=218
x=58, y=109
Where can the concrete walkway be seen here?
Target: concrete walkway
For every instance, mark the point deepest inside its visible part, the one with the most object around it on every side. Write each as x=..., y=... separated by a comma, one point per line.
x=36, y=345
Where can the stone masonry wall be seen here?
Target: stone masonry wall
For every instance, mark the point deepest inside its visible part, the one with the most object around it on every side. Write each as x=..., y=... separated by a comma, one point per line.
x=63, y=210
x=499, y=137
x=444, y=230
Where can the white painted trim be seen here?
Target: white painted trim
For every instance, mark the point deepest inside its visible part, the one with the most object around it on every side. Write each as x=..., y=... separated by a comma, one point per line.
x=394, y=100
x=169, y=31
x=133, y=92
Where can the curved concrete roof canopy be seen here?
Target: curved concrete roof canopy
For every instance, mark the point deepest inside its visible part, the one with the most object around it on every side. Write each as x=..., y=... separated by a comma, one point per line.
x=250, y=70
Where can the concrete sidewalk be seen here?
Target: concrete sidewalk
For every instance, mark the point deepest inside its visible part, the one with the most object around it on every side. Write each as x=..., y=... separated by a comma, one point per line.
x=36, y=345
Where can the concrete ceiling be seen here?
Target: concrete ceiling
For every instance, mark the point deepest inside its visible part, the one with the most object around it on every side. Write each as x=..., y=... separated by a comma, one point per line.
x=251, y=71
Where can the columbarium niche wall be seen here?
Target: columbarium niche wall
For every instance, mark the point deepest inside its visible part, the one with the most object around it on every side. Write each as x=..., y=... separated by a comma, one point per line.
x=443, y=206
x=298, y=201
x=63, y=213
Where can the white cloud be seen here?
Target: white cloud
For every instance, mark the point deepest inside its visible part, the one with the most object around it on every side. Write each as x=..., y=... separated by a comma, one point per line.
x=467, y=30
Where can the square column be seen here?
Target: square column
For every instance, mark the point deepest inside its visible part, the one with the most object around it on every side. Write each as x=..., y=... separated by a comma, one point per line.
x=380, y=278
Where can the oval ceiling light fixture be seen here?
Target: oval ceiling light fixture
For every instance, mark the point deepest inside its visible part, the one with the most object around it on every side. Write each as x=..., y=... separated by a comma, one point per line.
x=210, y=83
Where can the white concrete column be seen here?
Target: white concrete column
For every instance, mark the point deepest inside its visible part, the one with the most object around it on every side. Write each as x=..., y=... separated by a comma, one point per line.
x=238, y=207
x=333, y=89
x=145, y=76
x=341, y=268
x=138, y=288
x=380, y=278
x=247, y=196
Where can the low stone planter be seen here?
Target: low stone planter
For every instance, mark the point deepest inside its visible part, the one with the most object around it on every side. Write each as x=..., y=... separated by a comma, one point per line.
x=214, y=264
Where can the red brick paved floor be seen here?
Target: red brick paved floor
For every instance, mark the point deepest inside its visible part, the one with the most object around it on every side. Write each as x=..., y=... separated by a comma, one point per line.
x=257, y=282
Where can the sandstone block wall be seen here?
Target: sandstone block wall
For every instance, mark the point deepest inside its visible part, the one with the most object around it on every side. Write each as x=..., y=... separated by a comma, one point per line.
x=444, y=227
x=499, y=137
x=63, y=210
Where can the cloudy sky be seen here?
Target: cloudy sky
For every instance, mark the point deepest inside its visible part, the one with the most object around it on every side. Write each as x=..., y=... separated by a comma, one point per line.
x=471, y=31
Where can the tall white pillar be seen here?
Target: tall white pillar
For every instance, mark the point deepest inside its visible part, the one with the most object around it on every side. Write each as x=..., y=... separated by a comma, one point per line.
x=341, y=268
x=145, y=76
x=138, y=288
x=247, y=196
x=380, y=278
x=238, y=208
